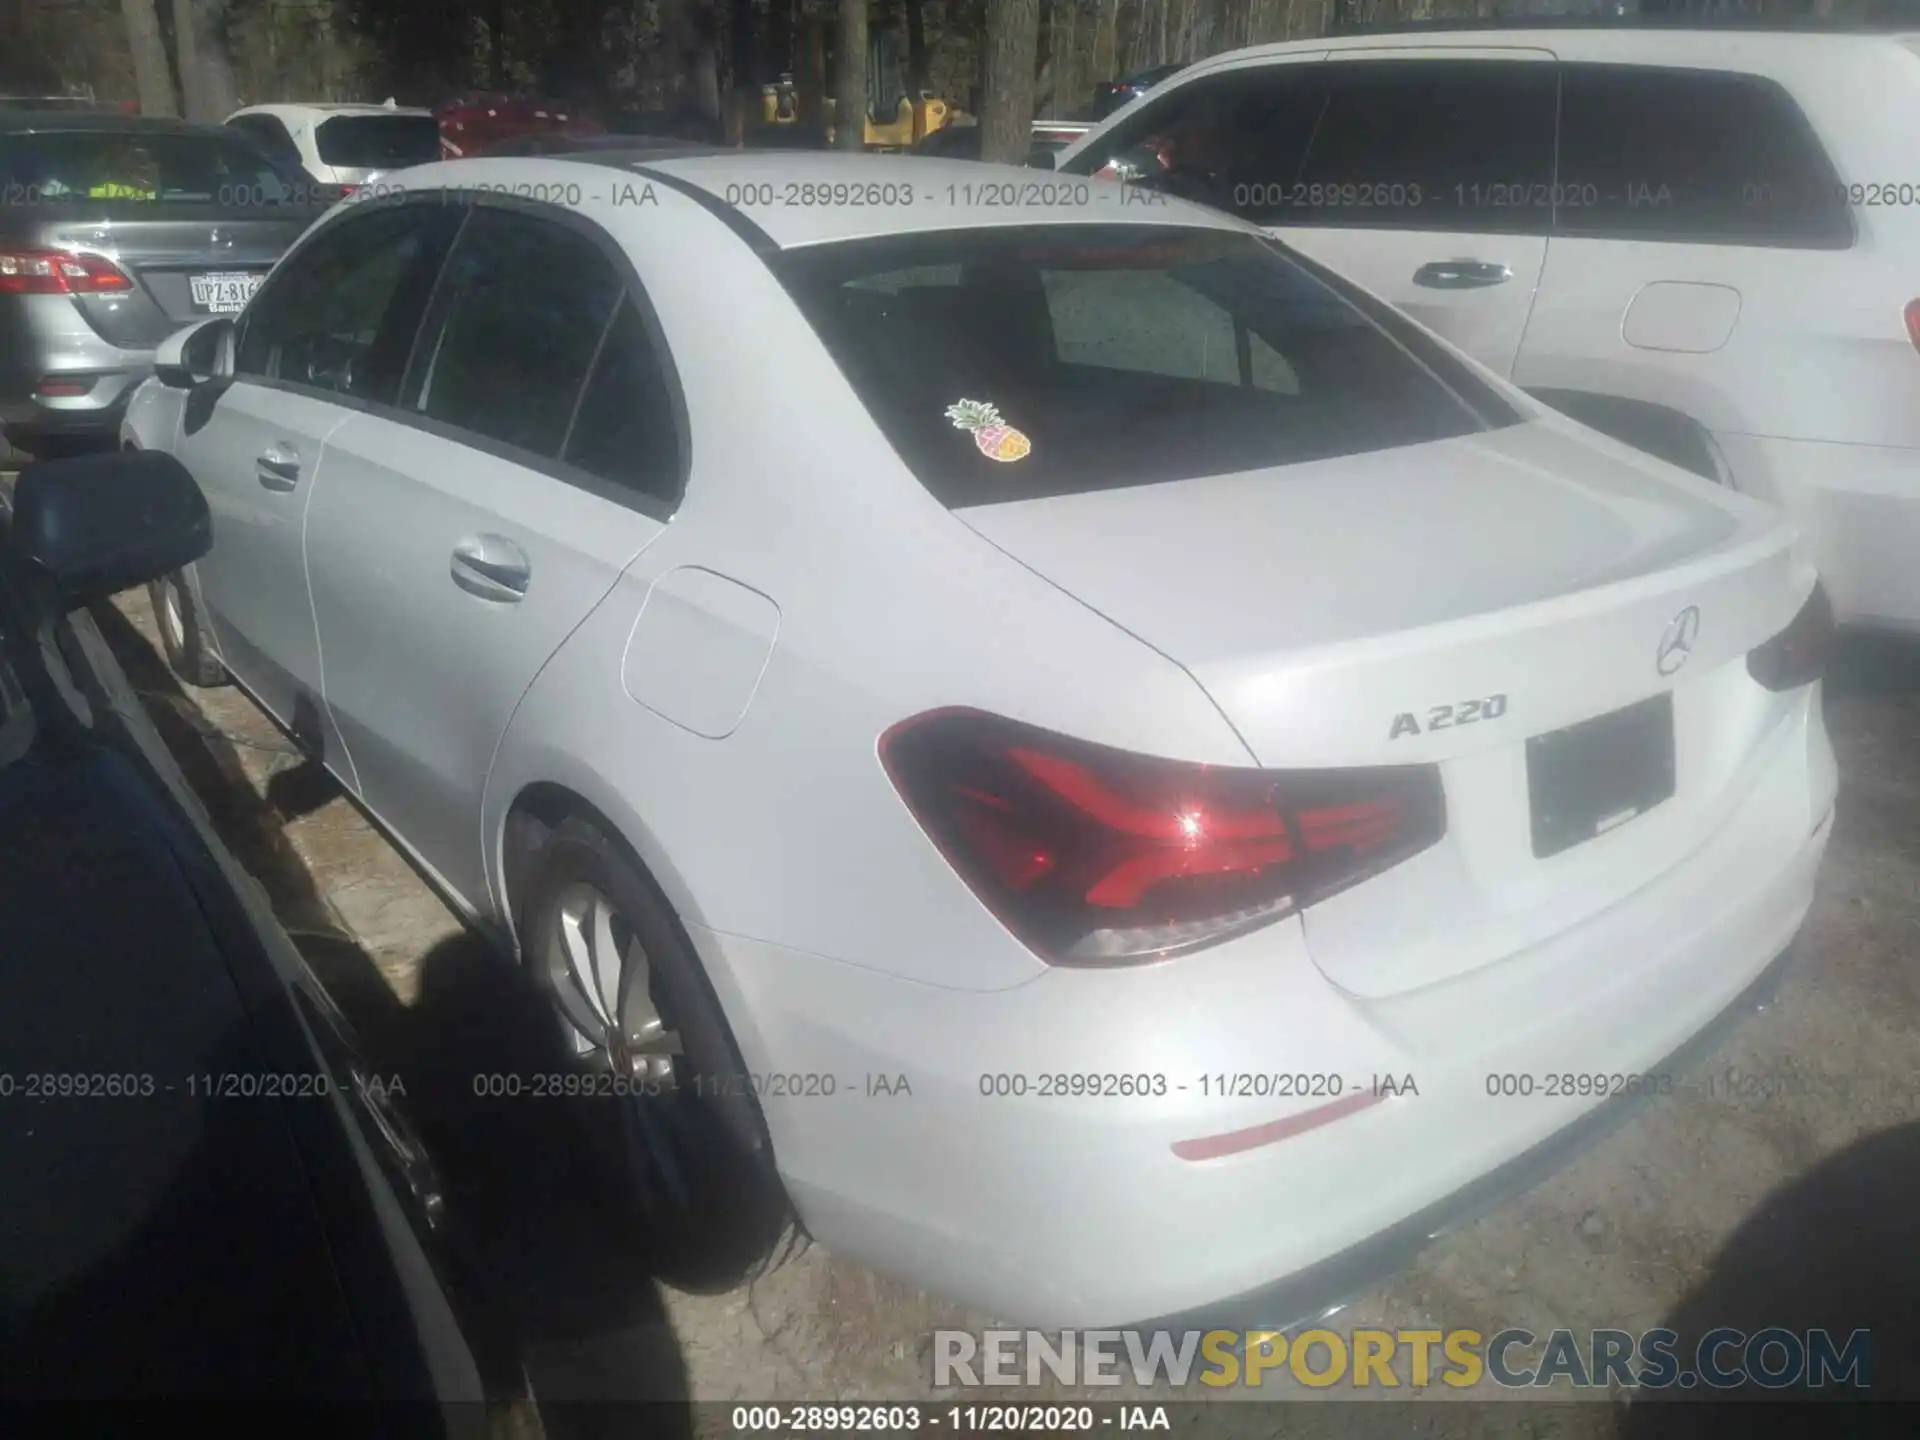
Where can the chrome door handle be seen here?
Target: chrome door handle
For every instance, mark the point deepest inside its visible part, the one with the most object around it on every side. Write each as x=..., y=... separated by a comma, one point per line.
x=492, y=567
x=1461, y=274
x=279, y=467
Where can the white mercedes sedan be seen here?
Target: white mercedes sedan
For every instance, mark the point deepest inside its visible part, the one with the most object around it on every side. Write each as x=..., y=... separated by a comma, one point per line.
x=1027, y=730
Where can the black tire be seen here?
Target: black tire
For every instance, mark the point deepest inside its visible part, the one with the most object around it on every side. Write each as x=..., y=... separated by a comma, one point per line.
x=688, y=1151
x=183, y=635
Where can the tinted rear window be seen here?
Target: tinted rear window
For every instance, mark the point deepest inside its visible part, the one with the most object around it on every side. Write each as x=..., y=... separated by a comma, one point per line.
x=378, y=142
x=1012, y=364
x=135, y=165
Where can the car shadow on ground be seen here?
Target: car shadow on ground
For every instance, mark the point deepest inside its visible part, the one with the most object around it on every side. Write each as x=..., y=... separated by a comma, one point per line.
x=1837, y=1250
x=571, y=1271
x=1869, y=664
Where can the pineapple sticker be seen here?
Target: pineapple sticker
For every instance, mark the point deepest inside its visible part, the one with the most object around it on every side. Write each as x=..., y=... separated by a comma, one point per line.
x=995, y=439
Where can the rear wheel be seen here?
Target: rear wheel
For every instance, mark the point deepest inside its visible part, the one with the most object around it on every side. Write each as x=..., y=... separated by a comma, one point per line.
x=183, y=638
x=665, y=1096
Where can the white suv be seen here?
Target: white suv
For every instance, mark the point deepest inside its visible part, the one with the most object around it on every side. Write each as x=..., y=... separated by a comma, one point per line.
x=342, y=144
x=1705, y=243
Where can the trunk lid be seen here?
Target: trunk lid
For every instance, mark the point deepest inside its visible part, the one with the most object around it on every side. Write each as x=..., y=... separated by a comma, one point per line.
x=163, y=248
x=1442, y=604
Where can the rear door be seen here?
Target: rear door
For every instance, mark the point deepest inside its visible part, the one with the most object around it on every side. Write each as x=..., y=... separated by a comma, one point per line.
x=1704, y=260
x=461, y=535
x=196, y=220
x=329, y=335
x=1428, y=180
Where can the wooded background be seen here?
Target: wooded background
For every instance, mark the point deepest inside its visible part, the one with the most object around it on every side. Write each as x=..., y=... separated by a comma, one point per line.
x=1016, y=58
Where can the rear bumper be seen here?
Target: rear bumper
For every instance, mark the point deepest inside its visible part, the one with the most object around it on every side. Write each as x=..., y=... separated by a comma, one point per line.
x=45, y=338
x=1075, y=1210
x=1326, y=1286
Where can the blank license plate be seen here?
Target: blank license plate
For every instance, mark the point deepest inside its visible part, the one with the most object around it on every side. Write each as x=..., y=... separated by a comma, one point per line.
x=1589, y=778
x=222, y=294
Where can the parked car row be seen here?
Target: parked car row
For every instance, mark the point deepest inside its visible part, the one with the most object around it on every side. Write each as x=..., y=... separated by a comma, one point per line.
x=114, y=232
x=1081, y=656
x=1064, y=663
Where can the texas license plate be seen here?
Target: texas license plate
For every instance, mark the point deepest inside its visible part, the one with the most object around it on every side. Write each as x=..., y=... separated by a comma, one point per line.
x=1590, y=777
x=222, y=294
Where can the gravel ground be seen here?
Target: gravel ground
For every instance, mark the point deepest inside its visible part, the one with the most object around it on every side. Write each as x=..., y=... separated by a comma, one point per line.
x=1793, y=1208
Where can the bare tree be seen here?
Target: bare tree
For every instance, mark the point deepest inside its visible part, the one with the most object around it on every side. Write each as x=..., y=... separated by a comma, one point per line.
x=916, y=50
x=850, y=86
x=1106, y=20
x=703, y=59
x=151, y=77
x=207, y=89
x=744, y=65
x=1013, y=39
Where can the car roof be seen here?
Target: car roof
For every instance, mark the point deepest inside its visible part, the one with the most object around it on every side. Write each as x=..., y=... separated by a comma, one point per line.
x=1702, y=46
x=302, y=110
x=23, y=121
x=763, y=196
x=896, y=194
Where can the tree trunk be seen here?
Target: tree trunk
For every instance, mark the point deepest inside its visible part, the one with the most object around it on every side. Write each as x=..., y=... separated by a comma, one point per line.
x=745, y=55
x=1106, y=37
x=1068, y=101
x=850, y=88
x=703, y=60
x=916, y=50
x=207, y=90
x=810, y=62
x=496, y=44
x=1006, y=121
x=151, y=77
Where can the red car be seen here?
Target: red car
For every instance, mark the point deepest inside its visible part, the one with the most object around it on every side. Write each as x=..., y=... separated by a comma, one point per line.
x=472, y=125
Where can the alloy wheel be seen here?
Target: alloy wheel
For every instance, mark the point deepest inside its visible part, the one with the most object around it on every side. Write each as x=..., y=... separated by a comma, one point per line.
x=602, y=984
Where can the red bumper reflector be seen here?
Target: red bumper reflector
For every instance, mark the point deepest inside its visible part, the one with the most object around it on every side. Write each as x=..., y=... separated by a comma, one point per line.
x=62, y=389
x=1213, y=1147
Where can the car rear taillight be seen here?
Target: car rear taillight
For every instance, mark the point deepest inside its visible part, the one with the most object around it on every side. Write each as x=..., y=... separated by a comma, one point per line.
x=1798, y=654
x=1092, y=855
x=59, y=272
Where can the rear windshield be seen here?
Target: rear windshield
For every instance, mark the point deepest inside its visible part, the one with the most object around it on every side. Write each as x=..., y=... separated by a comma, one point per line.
x=378, y=142
x=1009, y=364
x=139, y=165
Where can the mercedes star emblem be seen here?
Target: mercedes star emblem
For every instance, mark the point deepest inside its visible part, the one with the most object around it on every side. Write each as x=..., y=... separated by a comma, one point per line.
x=1677, y=643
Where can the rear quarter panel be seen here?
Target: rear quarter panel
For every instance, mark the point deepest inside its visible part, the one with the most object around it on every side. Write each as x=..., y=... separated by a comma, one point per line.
x=788, y=829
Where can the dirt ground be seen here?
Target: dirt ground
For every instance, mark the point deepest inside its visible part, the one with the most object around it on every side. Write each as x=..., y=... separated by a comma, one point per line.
x=1794, y=1207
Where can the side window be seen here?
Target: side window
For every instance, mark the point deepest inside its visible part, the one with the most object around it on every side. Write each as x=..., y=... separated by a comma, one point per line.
x=267, y=132
x=341, y=314
x=1235, y=141
x=624, y=430
x=1655, y=154
x=1461, y=145
x=517, y=323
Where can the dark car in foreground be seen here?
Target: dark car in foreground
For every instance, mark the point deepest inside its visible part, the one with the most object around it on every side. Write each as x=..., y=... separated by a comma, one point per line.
x=114, y=232
x=206, y=1191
